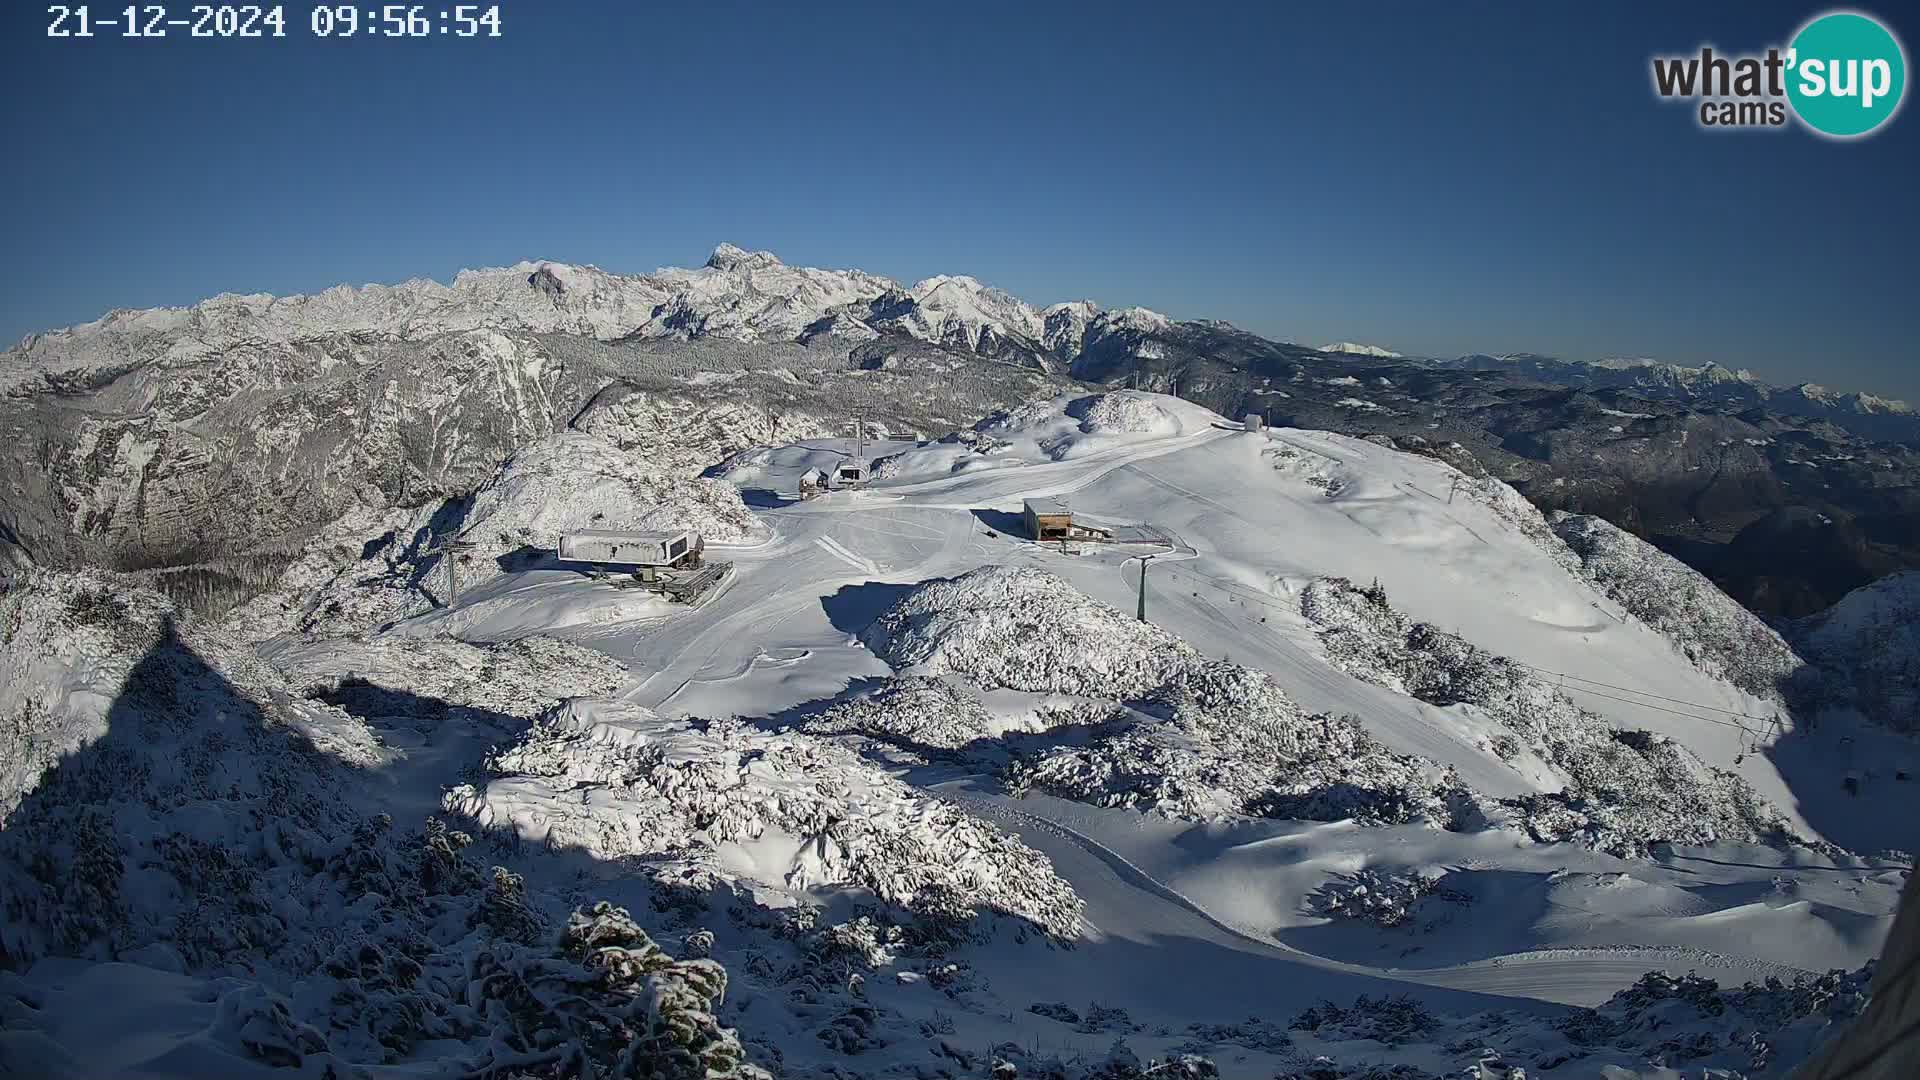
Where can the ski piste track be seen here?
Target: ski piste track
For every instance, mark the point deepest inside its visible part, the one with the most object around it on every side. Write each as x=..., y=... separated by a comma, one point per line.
x=819, y=547
x=1583, y=977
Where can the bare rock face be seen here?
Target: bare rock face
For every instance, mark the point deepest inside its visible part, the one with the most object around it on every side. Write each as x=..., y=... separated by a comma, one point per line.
x=545, y=280
x=249, y=449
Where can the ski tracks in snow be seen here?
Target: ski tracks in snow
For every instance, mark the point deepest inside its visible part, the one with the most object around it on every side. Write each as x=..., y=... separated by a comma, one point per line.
x=840, y=551
x=1583, y=976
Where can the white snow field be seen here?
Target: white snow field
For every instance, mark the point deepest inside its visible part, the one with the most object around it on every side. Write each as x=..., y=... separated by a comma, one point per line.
x=935, y=798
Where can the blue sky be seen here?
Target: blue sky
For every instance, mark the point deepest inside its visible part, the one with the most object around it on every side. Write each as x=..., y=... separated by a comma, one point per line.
x=1439, y=178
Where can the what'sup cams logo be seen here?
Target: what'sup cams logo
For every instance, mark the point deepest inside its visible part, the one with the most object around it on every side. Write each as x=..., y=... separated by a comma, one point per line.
x=1843, y=76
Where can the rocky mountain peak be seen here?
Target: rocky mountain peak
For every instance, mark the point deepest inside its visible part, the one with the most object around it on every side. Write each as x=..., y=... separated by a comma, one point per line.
x=731, y=257
x=548, y=282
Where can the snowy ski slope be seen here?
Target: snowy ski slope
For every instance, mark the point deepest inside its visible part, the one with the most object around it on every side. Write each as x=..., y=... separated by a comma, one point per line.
x=1185, y=923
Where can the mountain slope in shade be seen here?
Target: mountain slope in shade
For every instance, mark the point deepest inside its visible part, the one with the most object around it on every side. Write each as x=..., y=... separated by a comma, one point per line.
x=1870, y=640
x=1712, y=385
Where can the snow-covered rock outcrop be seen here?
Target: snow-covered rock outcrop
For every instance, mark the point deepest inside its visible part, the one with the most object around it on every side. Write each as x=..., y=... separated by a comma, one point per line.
x=1715, y=632
x=371, y=567
x=574, y=481
x=1021, y=628
x=777, y=809
x=1622, y=790
x=687, y=432
x=1197, y=737
x=1869, y=643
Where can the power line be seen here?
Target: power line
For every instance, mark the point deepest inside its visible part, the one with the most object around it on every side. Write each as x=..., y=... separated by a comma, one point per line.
x=1664, y=709
x=1644, y=693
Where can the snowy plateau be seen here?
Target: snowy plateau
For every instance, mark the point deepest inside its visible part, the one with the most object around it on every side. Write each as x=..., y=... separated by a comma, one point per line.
x=1398, y=777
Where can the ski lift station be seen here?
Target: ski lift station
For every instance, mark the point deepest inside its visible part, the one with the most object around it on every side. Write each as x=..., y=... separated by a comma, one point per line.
x=650, y=551
x=1052, y=519
x=671, y=563
x=852, y=473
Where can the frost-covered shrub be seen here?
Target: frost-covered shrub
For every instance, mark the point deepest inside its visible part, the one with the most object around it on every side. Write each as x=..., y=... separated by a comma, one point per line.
x=1224, y=739
x=1365, y=636
x=68, y=641
x=1631, y=789
x=1252, y=1033
x=1011, y=1061
x=1326, y=1068
x=915, y=712
x=61, y=890
x=1624, y=790
x=199, y=822
x=1689, y=1020
x=168, y=771
x=96, y=606
x=1718, y=635
x=1518, y=511
x=1386, y=900
x=1391, y=1020
x=1314, y=470
x=422, y=677
x=618, y=780
x=608, y=1003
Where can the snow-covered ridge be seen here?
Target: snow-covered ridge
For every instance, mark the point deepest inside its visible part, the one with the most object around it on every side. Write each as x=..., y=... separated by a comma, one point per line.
x=737, y=294
x=1350, y=348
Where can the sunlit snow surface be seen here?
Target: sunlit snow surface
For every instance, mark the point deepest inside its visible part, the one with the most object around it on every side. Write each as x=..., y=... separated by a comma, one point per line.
x=833, y=778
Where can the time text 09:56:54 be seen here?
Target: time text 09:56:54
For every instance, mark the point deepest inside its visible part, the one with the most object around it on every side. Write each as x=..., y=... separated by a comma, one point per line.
x=256, y=21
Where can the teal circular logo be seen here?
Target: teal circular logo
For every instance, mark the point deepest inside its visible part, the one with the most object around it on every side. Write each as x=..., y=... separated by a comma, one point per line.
x=1846, y=74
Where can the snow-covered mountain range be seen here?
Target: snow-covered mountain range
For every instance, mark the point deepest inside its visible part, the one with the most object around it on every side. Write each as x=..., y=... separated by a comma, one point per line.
x=914, y=795
x=1710, y=384
x=190, y=437
x=737, y=295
